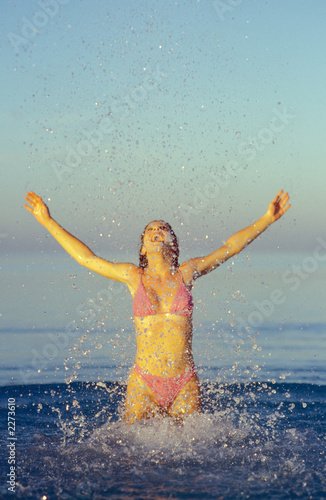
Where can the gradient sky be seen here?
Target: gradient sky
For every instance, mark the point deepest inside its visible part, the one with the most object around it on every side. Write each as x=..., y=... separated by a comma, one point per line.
x=120, y=112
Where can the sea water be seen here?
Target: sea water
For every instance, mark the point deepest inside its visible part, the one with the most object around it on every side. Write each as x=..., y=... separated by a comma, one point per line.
x=262, y=432
x=256, y=440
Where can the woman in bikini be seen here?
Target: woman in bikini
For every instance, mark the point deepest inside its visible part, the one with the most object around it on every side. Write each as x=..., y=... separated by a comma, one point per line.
x=164, y=379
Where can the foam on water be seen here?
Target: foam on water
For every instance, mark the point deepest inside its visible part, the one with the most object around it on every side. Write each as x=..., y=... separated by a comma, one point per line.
x=249, y=442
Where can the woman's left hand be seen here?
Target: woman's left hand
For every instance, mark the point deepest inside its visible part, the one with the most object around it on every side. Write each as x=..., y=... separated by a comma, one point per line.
x=278, y=206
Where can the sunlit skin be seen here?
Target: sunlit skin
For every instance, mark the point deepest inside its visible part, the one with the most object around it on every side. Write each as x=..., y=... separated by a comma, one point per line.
x=164, y=341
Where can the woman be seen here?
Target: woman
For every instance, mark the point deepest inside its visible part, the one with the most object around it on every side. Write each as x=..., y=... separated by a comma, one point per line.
x=164, y=379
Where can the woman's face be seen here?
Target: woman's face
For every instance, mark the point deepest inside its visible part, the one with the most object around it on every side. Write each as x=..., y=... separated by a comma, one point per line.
x=156, y=237
x=156, y=233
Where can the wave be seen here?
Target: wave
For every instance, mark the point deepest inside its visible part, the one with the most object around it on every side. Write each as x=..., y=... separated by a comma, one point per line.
x=255, y=440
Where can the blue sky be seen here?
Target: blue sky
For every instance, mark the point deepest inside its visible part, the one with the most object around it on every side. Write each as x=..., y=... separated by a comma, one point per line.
x=196, y=112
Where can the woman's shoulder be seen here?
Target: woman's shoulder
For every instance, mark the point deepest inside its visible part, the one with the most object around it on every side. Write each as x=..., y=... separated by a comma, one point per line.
x=187, y=272
x=134, y=273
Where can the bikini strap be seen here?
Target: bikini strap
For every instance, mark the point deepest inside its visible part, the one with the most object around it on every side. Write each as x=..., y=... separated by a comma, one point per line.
x=183, y=281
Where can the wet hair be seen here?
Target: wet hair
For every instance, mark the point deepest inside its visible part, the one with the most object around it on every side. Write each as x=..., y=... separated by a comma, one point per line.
x=143, y=262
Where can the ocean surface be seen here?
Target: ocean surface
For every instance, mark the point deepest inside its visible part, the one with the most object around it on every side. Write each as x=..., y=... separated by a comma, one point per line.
x=255, y=440
x=64, y=363
x=262, y=433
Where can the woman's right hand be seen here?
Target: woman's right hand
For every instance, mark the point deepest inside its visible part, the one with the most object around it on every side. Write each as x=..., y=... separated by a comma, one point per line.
x=38, y=208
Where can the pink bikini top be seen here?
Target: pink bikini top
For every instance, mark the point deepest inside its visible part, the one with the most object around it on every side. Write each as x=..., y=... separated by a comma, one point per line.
x=182, y=303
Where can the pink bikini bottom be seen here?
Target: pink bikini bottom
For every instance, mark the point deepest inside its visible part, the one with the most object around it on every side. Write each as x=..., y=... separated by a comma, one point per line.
x=165, y=389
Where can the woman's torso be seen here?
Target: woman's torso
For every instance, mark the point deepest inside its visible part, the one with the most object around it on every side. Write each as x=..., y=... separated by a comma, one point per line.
x=163, y=323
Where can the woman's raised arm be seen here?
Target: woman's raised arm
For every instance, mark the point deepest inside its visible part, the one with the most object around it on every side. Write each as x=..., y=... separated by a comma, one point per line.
x=238, y=241
x=76, y=248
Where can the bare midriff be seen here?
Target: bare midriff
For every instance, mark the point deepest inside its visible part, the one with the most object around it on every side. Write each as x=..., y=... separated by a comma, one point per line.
x=164, y=344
